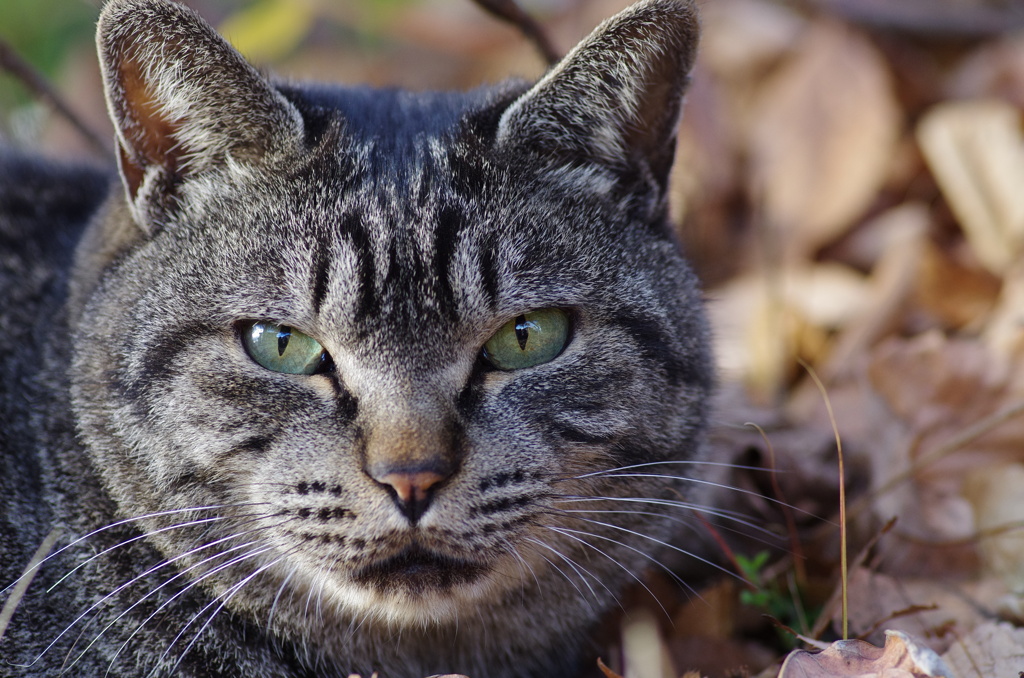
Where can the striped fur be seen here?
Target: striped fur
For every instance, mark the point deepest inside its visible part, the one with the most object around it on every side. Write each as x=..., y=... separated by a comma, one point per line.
x=401, y=231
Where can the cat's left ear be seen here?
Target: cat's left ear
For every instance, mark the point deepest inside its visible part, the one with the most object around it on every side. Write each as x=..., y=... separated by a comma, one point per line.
x=184, y=102
x=616, y=98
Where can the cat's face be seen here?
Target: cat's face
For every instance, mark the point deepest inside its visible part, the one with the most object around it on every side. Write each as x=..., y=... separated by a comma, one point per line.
x=389, y=371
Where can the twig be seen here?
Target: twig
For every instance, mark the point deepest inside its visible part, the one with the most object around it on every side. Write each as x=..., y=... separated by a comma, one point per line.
x=905, y=612
x=36, y=83
x=508, y=10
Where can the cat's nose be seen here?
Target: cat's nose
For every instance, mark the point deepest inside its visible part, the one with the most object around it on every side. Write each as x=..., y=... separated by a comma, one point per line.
x=411, y=457
x=412, y=491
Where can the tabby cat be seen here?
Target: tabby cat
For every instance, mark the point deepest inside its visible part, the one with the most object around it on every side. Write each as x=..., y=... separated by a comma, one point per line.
x=346, y=380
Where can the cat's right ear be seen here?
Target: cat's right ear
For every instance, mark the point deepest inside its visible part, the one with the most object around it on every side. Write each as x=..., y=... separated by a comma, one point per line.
x=184, y=102
x=614, y=100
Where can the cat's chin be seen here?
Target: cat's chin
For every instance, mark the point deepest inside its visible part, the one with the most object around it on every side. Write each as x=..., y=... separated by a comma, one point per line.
x=414, y=587
x=416, y=571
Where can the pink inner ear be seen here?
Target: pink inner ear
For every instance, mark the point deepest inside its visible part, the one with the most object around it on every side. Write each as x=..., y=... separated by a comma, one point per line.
x=150, y=136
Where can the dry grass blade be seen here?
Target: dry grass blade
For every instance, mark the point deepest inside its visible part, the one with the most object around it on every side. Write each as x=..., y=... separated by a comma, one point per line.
x=18, y=592
x=843, y=561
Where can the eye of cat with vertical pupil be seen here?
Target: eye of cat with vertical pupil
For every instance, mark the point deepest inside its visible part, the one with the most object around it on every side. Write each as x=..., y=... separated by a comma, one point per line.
x=529, y=339
x=281, y=348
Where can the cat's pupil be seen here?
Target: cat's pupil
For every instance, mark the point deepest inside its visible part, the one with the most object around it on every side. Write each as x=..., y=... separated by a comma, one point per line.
x=283, y=335
x=522, y=332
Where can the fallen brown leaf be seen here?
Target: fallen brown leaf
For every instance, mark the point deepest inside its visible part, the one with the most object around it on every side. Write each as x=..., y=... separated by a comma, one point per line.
x=994, y=70
x=765, y=322
x=994, y=493
x=901, y=657
x=824, y=130
x=645, y=654
x=933, y=610
x=940, y=407
x=975, y=149
x=990, y=651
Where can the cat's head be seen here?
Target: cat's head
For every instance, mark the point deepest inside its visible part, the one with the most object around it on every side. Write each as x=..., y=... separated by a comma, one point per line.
x=391, y=347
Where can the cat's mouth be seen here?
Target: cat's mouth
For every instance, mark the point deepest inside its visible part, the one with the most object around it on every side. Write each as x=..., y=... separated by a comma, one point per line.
x=418, y=570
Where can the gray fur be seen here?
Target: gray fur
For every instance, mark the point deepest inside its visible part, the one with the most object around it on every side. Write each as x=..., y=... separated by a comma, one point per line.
x=401, y=231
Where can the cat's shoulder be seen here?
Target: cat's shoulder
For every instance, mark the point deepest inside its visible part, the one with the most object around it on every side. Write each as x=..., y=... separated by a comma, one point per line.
x=44, y=203
x=44, y=208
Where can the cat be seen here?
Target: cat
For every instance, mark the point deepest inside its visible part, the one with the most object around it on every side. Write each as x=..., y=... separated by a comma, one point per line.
x=330, y=380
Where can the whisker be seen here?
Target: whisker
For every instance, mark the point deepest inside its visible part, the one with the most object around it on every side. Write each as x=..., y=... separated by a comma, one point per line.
x=196, y=582
x=559, y=571
x=733, y=516
x=119, y=523
x=571, y=534
x=230, y=593
x=524, y=567
x=721, y=486
x=151, y=593
x=183, y=591
x=280, y=590
x=254, y=516
x=683, y=551
x=192, y=584
x=201, y=521
x=129, y=541
x=646, y=555
x=134, y=580
x=673, y=462
x=579, y=570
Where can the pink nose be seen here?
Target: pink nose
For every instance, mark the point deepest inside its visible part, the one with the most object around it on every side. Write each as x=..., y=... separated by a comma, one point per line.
x=412, y=491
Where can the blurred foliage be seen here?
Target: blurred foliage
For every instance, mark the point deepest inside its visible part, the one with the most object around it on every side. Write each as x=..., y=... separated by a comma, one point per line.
x=45, y=33
x=54, y=35
x=269, y=30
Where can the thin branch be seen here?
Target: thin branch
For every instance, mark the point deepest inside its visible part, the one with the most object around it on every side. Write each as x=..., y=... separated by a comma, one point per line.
x=508, y=10
x=22, y=71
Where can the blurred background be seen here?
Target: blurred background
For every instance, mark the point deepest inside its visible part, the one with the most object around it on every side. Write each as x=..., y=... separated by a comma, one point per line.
x=850, y=186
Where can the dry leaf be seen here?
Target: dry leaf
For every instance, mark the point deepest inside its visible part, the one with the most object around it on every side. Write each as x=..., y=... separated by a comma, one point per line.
x=941, y=408
x=958, y=296
x=995, y=494
x=902, y=242
x=741, y=37
x=643, y=648
x=763, y=323
x=976, y=152
x=994, y=70
x=902, y=657
x=933, y=610
x=990, y=651
x=269, y=30
x=1004, y=333
x=824, y=130
x=707, y=168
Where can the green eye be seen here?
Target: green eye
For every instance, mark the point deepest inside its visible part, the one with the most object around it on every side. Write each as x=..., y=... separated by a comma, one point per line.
x=281, y=348
x=530, y=339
